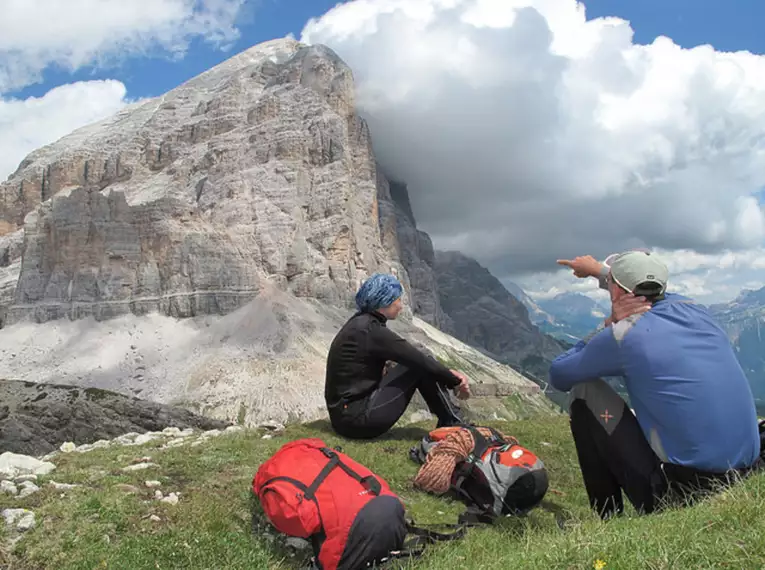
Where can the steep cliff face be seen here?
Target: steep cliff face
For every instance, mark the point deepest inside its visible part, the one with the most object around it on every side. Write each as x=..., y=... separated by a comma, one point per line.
x=203, y=248
x=11, y=246
x=417, y=255
x=484, y=314
x=258, y=169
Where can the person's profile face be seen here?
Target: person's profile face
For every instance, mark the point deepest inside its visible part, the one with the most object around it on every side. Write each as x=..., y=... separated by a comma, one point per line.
x=614, y=289
x=392, y=311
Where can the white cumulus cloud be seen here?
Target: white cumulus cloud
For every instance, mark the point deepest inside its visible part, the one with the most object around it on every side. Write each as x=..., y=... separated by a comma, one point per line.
x=76, y=33
x=528, y=133
x=28, y=124
x=73, y=34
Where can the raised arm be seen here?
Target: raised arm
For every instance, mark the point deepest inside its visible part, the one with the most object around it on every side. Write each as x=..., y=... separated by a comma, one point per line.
x=386, y=344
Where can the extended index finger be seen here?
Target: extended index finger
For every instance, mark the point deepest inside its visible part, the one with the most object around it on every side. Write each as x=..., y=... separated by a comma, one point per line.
x=566, y=262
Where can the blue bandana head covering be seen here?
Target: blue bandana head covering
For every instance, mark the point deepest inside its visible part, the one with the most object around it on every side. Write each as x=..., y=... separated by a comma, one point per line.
x=379, y=291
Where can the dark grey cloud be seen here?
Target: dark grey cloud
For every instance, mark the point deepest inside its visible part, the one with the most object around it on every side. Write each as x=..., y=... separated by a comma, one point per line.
x=526, y=133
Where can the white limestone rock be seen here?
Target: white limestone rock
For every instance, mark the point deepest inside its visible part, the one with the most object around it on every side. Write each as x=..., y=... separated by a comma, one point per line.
x=27, y=488
x=20, y=520
x=28, y=477
x=145, y=438
x=171, y=499
x=13, y=465
x=63, y=486
x=140, y=466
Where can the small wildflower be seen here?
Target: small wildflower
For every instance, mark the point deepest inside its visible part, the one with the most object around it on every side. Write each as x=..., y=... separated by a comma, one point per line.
x=599, y=564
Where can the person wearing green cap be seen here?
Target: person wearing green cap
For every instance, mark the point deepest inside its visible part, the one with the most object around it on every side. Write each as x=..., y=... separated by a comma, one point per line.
x=694, y=426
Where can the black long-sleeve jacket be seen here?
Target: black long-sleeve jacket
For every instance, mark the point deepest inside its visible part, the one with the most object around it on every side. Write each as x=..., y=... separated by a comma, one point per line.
x=358, y=354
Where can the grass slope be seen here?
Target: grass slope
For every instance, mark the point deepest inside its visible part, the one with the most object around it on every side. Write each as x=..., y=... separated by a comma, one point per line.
x=103, y=526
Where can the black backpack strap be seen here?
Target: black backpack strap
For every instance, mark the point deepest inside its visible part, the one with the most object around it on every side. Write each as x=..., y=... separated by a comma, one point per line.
x=323, y=474
x=415, y=546
x=464, y=470
x=431, y=536
x=481, y=443
x=474, y=515
x=369, y=482
x=497, y=437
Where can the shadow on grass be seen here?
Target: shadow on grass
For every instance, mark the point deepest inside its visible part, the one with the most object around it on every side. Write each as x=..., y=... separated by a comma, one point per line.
x=406, y=433
x=298, y=553
x=562, y=514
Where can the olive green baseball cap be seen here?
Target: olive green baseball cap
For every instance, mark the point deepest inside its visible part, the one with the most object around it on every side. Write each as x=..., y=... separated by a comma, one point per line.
x=638, y=272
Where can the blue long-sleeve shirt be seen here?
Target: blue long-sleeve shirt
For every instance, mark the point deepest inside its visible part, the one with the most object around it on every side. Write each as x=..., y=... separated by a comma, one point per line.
x=684, y=382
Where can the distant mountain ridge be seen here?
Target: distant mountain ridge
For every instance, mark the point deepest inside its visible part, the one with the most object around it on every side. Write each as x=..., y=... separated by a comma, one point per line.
x=743, y=319
x=568, y=316
x=574, y=315
x=484, y=313
x=536, y=313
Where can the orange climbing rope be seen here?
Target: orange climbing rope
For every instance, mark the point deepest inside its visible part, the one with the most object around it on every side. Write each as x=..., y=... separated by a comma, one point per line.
x=435, y=475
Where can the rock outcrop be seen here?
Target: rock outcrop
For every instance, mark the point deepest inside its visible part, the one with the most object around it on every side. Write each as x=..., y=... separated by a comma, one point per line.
x=11, y=246
x=36, y=418
x=486, y=315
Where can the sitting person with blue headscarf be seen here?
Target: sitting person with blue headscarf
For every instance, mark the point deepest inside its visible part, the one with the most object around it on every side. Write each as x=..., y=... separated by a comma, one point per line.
x=365, y=399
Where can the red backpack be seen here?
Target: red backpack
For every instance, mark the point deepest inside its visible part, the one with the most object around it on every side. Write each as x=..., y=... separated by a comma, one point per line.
x=496, y=477
x=349, y=514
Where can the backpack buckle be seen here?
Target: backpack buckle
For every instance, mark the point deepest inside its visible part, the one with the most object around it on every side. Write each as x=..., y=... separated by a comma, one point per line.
x=328, y=452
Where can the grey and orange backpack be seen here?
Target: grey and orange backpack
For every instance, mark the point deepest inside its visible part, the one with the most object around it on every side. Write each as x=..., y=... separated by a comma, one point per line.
x=490, y=472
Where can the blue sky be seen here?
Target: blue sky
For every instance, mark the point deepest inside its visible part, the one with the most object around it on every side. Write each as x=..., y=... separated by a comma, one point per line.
x=731, y=25
x=728, y=25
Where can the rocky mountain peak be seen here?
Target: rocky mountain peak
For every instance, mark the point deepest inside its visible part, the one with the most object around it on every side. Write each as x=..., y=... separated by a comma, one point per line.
x=257, y=169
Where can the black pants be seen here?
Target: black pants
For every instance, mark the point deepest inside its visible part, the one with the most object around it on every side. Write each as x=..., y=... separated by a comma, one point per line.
x=373, y=416
x=615, y=457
